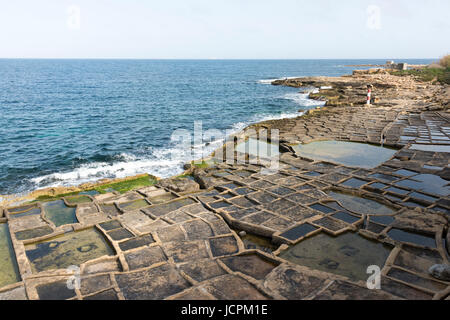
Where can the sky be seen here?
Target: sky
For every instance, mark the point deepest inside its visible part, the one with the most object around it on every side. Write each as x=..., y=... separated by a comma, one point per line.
x=224, y=29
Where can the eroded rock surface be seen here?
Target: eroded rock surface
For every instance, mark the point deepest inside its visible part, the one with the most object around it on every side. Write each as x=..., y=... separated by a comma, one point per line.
x=179, y=239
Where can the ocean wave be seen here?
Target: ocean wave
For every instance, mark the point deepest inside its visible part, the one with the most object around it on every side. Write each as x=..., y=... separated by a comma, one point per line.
x=160, y=162
x=239, y=126
x=269, y=81
x=266, y=81
x=303, y=99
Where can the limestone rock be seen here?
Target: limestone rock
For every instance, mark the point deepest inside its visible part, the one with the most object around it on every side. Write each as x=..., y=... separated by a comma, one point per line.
x=440, y=271
x=14, y=294
x=422, y=221
x=203, y=180
x=180, y=185
x=292, y=282
x=448, y=242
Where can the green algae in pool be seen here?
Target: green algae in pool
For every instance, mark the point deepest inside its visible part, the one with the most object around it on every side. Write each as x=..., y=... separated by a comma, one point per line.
x=78, y=199
x=258, y=148
x=360, y=204
x=348, y=255
x=59, y=213
x=134, y=205
x=9, y=271
x=347, y=153
x=69, y=249
x=90, y=192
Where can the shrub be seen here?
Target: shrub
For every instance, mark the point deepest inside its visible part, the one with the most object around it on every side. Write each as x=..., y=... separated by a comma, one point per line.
x=445, y=61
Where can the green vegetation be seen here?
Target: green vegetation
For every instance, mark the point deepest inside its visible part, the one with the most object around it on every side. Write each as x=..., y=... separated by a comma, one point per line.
x=445, y=61
x=434, y=73
x=427, y=74
x=202, y=165
x=56, y=197
x=127, y=185
x=78, y=199
x=122, y=187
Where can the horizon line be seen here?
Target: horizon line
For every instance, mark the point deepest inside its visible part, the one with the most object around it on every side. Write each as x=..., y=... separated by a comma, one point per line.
x=212, y=59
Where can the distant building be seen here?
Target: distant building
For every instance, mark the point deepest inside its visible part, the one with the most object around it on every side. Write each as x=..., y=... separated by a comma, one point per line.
x=396, y=66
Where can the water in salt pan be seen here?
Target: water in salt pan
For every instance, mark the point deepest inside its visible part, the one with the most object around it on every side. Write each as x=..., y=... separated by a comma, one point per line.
x=9, y=272
x=348, y=255
x=28, y=211
x=78, y=199
x=429, y=183
x=411, y=237
x=59, y=213
x=257, y=242
x=73, y=248
x=360, y=204
x=347, y=153
x=90, y=192
x=430, y=147
x=258, y=148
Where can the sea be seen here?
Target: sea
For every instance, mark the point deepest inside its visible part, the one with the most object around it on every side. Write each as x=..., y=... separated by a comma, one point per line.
x=66, y=122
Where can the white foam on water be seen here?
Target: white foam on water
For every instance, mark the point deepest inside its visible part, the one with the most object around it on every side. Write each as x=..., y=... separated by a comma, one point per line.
x=239, y=126
x=269, y=81
x=266, y=81
x=303, y=99
x=160, y=162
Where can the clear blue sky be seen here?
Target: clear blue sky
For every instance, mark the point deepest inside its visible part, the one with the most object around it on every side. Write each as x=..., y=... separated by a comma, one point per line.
x=224, y=29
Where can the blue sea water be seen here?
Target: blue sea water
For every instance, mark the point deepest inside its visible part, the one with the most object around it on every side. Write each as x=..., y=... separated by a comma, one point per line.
x=65, y=122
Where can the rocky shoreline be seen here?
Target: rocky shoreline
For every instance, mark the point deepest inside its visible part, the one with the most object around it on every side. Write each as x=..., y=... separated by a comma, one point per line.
x=227, y=225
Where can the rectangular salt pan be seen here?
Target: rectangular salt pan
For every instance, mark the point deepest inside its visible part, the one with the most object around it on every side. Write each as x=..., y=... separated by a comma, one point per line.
x=430, y=147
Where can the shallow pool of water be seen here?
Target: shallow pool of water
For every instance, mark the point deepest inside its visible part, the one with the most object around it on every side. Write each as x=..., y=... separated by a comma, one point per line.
x=9, y=272
x=134, y=205
x=90, y=192
x=30, y=211
x=299, y=231
x=406, y=236
x=258, y=148
x=360, y=204
x=162, y=198
x=347, y=153
x=429, y=183
x=430, y=147
x=59, y=213
x=256, y=242
x=78, y=199
x=69, y=249
x=348, y=255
